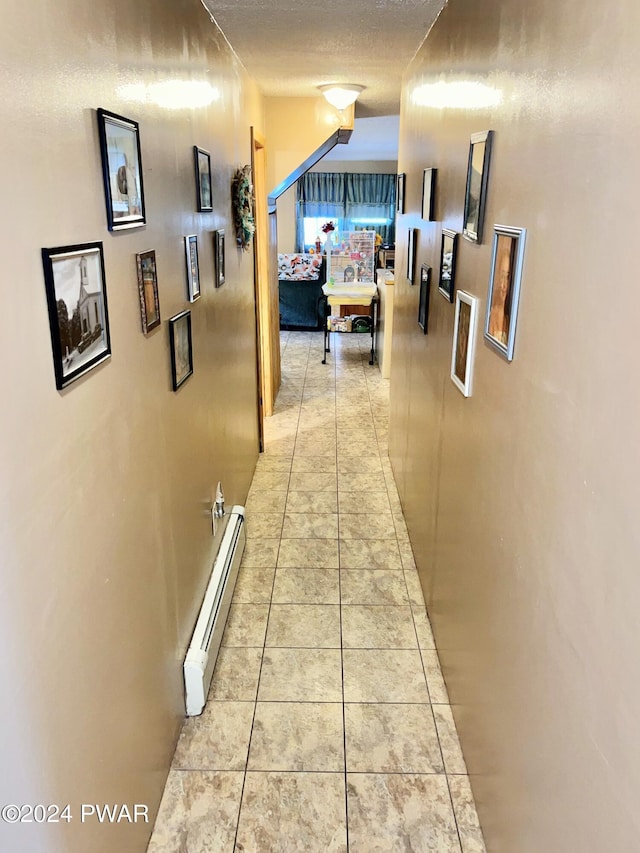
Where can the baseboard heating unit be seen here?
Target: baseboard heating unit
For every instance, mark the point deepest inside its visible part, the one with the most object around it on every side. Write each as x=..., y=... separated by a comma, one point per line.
x=207, y=635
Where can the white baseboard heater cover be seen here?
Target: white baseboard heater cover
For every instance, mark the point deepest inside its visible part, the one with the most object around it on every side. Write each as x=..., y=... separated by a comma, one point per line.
x=207, y=635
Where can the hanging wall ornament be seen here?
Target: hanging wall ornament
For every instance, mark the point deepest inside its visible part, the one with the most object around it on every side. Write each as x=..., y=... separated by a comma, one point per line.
x=242, y=196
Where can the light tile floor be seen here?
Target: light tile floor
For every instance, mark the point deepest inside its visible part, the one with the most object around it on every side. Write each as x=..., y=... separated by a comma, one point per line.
x=328, y=726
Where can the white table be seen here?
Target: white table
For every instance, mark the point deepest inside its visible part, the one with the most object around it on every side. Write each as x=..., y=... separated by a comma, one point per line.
x=385, y=281
x=351, y=294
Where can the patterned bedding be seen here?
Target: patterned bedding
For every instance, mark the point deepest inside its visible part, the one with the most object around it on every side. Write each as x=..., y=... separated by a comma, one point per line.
x=299, y=266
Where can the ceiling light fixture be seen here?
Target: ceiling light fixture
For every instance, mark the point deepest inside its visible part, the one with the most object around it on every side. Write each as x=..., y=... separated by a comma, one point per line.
x=341, y=95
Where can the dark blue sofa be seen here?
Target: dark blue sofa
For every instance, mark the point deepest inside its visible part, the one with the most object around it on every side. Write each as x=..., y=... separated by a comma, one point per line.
x=300, y=280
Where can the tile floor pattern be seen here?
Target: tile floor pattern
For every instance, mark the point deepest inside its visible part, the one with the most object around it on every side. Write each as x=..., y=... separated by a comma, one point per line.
x=328, y=726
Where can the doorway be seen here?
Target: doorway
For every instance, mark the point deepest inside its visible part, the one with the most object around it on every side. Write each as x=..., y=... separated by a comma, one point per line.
x=266, y=292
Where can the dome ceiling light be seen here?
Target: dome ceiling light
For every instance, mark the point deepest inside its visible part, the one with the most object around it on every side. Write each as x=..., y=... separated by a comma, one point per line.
x=341, y=95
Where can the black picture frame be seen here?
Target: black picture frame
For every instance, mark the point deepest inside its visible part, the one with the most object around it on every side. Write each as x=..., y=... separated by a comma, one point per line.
x=181, y=348
x=192, y=266
x=148, y=290
x=400, y=188
x=121, y=170
x=475, y=199
x=448, y=258
x=423, y=302
x=76, y=292
x=219, y=252
x=428, y=193
x=412, y=241
x=202, y=164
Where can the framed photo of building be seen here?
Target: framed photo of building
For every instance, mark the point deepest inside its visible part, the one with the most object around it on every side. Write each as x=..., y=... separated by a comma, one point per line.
x=428, y=193
x=504, y=288
x=121, y=170
x=181, y=348
x=148, y=290
x=423, y=302
x=448, y=255
x=218, y=248
x=193, y=267
x=477, y=181
x=78, y=316
x=400, y=185
x=202, y=162
x=464, y=338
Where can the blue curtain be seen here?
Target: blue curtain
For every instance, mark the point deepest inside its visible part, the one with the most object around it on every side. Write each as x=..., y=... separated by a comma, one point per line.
x=322, y=194
x=371, y=196
x=353, y=198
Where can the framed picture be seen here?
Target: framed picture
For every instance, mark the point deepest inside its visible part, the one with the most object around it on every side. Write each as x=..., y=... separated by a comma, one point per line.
x=400, y=182
x=423, y=303
x=448, y=255
x=504, y=288
x=218, y=248
x=477, y=179
x=428, y=193
x=464, y=337
x=412, y=239
x=203, y=178
x=193, y=268
x=181, y=350
x=148, y=290
x=77, y=302
x=121, y=170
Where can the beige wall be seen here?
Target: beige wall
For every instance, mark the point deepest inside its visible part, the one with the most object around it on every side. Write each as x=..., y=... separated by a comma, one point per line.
x=105, y=541
x=286, y=206
x=522, y=500
x=296, y=127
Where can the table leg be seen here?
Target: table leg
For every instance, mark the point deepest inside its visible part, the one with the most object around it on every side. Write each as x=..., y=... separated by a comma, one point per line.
x=325, y=332
x=373, y=314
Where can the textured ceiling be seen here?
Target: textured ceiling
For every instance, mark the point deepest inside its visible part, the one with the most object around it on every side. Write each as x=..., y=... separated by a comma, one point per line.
x=292, y=46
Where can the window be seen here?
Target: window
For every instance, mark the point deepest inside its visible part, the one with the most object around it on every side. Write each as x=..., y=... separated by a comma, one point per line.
x=312, y=228
x=352, y=201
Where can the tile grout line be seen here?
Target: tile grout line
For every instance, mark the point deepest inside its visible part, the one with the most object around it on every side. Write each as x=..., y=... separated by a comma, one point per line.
x=346, y=788
x=344, y=720
x=417, y=637
x=344, y=724
x=264, y=645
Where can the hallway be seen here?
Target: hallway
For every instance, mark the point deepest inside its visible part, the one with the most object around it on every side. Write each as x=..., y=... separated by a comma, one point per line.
x=328, y=726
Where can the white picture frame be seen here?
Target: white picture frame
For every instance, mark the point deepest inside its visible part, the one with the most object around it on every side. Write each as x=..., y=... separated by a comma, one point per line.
x=464, y=341
x=400, y=186
x=193, y=267
x=428, y=193
x=507, y=259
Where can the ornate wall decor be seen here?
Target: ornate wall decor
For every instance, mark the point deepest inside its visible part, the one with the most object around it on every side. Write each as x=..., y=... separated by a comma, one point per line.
x=242, y=200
